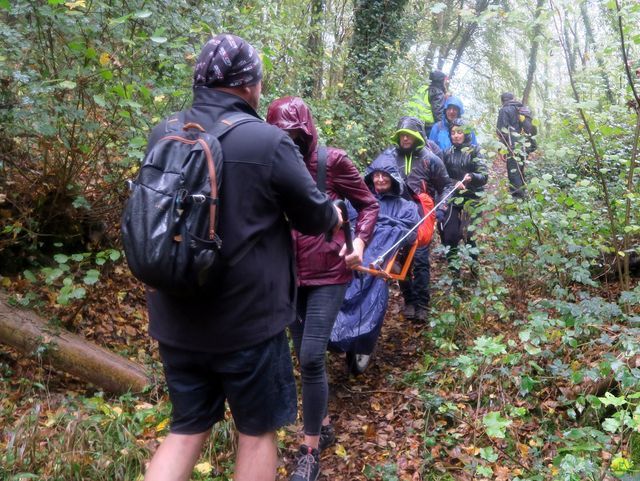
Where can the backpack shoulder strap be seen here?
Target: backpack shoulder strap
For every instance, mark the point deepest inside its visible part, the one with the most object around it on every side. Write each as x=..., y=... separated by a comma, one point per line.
x=224, y=125
x=321, y=177
x=174, y=122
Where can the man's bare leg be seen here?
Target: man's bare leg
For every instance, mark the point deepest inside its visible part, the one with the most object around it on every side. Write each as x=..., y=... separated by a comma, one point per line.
x=257, y=458
x=175, y=458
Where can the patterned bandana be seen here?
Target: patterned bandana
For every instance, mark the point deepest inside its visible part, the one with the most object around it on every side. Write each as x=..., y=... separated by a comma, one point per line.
x=227, y=61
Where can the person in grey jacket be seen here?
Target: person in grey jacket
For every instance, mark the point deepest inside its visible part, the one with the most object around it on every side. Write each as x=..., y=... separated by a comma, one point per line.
x=518, y=145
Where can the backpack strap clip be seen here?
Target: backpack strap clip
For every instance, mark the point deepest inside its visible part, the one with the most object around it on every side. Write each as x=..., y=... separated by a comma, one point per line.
x=198, y=198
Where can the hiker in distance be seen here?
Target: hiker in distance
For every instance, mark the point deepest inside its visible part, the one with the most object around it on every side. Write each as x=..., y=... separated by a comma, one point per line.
x=516, y=131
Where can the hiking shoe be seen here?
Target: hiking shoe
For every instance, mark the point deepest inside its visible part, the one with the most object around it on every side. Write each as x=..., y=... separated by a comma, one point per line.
x=327, y=437
x=308, y=465
x=409, y=311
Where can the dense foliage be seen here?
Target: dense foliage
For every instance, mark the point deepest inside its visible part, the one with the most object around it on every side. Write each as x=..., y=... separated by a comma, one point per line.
x=533, y=371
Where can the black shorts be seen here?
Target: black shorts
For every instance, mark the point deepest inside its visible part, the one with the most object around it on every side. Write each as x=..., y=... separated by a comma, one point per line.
x=257, y=383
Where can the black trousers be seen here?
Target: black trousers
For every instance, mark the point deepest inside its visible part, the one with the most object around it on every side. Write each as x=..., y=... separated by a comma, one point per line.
x=515, y=174
x=453, y=230
x=415, y=289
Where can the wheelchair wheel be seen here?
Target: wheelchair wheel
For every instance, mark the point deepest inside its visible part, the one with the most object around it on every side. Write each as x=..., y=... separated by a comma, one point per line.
x=357, y=363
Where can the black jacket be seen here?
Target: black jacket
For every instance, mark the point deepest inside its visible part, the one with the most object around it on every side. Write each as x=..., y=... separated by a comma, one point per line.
x=266, y=189
x=437, y=94
x=467, y=159
x=508, y=125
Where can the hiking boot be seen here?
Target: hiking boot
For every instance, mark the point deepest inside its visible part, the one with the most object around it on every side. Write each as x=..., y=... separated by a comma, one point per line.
x=308, y=465
x=409, y=311
x=327, y=437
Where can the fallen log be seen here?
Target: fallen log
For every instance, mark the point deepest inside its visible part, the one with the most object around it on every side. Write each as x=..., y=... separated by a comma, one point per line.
x=26, y=331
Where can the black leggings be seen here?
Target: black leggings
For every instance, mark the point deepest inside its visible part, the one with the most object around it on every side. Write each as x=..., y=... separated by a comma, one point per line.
x=454, y=229
x=318, y=307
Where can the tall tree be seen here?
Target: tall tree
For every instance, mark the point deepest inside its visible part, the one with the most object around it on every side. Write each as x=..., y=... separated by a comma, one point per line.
x=533, y=52
x=315, y=49
x=468, y=32
x=377, y=25
x=591, y=44
x=375, y=48
x=454, y=30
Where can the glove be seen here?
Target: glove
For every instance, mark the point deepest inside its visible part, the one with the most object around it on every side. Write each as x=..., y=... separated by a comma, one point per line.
x=440, y=215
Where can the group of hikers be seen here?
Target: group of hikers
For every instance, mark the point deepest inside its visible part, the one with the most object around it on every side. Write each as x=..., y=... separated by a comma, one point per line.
x=291, y=266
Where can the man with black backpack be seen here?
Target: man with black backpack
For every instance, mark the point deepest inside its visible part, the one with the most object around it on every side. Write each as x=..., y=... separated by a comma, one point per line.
x=516, y=131
x=229, y=343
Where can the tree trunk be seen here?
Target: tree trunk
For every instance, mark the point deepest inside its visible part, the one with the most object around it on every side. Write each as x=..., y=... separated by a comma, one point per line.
x=377, y=24
x=533, y=54
x=466, y=34
x=465, y=41
x=590, y=40
x=374, y=47
x=315, y=48
x=26, y=331
x=568, y=43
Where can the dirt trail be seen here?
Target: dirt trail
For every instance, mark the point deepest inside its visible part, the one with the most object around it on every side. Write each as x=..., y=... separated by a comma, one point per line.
x=379, y=419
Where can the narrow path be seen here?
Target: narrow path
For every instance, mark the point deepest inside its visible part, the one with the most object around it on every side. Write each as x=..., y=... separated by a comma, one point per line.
x=379, y=419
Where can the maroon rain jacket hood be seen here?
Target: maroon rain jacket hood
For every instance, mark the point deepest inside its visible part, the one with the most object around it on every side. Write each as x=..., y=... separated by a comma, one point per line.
x=291, y=113
x=317, y=260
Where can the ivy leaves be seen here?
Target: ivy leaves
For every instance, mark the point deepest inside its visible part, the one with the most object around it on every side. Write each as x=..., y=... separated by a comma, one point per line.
x=496, y=425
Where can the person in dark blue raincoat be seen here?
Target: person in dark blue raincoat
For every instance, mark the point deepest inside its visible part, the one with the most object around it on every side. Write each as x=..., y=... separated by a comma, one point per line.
x=360, y=318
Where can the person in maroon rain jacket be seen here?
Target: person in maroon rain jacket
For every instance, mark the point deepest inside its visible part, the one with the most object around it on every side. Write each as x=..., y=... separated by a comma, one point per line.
x=323, y=275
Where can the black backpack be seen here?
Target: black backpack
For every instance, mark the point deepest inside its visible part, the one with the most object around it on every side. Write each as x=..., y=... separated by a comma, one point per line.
x=527, y=128
x=169, y=224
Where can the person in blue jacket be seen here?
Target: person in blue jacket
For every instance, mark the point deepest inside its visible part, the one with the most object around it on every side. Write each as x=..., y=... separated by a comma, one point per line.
x=453, y=109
